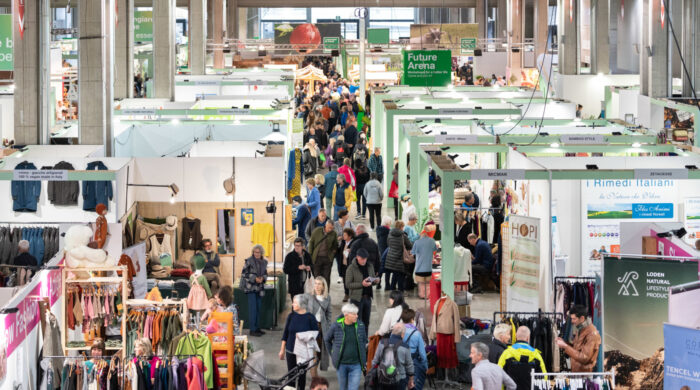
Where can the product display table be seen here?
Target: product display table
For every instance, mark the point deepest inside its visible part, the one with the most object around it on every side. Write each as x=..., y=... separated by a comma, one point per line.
x=267, y=307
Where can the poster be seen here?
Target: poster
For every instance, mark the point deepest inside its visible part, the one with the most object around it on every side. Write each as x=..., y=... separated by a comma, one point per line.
x=247, y=217
x=304, y=38
x=605, y=203
x=523, y=264
x=429, y=36
x=682, y=354
x=691, y=218
x=427, y=68
x=143, y=26
x=635, y=302
x=6, y=59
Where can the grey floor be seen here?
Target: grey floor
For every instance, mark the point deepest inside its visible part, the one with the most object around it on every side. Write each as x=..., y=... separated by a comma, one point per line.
x=483, y=306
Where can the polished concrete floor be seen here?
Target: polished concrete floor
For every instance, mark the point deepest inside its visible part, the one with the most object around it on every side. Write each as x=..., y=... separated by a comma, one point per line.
x=483, y=306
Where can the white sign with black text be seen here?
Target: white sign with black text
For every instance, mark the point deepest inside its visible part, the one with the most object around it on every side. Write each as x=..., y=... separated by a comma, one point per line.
x=40, y=175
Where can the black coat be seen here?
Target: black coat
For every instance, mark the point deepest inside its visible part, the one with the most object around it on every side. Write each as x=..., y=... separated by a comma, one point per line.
x=397, y=241
x=461, y=236
x=382, y=235
x=364, y=241
x=295, y=276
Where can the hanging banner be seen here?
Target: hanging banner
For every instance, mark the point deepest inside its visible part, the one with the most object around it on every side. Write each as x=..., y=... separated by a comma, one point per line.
x=143, y=26
x=605, y=203
x=635, y=302
x=6, y=56
x=523, y=259
x=304, y=38
x=427, y=68
x=681, y=357
x=19, y=8
x=691, y=218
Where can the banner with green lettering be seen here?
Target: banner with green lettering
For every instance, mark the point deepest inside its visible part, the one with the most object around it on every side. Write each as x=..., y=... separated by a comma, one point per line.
x=6, y=43
x=635, y=302
x=427, y=68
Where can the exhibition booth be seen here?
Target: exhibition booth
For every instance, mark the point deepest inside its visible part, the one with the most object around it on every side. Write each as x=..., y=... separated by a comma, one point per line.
x=240, y=82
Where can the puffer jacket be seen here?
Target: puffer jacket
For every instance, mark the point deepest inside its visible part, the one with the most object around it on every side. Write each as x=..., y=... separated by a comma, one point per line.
x=396, y=242
x=354, y=278
x=335, y=341
x=96, y=192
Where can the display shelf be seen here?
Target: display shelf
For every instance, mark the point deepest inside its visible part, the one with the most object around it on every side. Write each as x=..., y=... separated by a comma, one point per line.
x=98, y=279
x=227, y=346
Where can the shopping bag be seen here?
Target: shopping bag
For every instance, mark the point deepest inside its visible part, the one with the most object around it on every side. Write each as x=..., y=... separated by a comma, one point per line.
x=408, y=258
x=309, y=284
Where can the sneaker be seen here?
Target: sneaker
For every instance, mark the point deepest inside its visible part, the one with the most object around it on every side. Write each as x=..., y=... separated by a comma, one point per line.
x=340, y=280
x=262, y=333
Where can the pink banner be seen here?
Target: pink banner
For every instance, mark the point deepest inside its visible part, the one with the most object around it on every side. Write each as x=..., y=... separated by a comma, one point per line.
x=668, y=247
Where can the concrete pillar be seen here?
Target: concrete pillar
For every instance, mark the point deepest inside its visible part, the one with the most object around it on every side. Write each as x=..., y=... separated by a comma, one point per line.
x=568, y=37
x=124, y=50
x=691, y=40
x=654, y=57
x=26, y=74
x=516, y=11
x=541, y=27
x=232, y=19
x=502, y=19
x=96, y=31
x=600, y=42
x=210, y=18
x=481, y=18
x=218, y=37
x=197, y=39
x=242, y=23
x=164, y=48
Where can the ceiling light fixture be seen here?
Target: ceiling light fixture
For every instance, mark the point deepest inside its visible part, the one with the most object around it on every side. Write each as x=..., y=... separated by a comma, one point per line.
x=554, y=145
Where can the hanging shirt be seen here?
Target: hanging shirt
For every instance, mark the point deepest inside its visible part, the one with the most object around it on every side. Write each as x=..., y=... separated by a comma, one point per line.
x=263, y=234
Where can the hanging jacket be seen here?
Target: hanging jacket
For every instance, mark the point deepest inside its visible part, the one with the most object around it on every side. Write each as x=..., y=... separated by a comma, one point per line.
x=96, y=192
x=63, y=193
x=25, y=194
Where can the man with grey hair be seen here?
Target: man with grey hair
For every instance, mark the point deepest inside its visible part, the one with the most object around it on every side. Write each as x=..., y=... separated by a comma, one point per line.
x=24, y=258
x=404, y=365
x=486, y=375
x=520, y=359
x=347, y=341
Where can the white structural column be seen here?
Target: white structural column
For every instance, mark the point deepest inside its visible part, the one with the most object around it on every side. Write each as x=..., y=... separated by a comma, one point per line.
x=502, y=19
x=124, y=50
x=516, y=9
x=197, y=37
x=691, y=46
x=541, y=26
x=232, y=19
x=363, y=49
x=600, y=37
x=164, y=48
x=654, y=78
x=481, y=18
x=96, y=31
x=218, y=37
x=27, y=73
x=569, y=52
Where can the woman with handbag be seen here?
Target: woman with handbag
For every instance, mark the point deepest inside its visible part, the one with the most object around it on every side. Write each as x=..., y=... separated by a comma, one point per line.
x=397, y=243
x=297, y=266
x=253, y=278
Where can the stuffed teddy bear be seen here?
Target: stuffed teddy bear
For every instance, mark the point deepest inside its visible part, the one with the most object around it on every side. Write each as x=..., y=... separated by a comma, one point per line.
x=79, y=255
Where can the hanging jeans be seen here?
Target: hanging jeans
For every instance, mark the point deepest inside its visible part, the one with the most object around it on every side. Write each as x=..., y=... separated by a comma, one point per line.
x=254, y=302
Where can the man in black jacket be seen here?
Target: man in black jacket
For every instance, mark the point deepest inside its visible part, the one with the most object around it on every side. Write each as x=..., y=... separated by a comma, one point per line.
x=297, y=266
x=363, y=240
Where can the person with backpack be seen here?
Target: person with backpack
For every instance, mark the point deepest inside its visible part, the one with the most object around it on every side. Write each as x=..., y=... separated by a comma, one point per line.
x=347, y=341
x=362, y=176
x=414, y=340
x=395, y=370
x=340, y=150
x=310, y=156
x=520, y=359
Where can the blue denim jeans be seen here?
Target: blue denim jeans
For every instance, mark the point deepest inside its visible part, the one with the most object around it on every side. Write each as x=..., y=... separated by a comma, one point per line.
x=254, y=302
x=349, y=376
x=337, y=209
x=420, y=370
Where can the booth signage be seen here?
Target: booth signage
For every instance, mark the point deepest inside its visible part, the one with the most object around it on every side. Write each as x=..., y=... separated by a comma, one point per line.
x=590, y=139
x=681, y=357
x=247, y=217
x=464, y=139
x=298, y=125
x=143, y=26
x=456, y=111
x=40, y=175
x=635, y=301
x=498, y=174
x=6, y=59
x=138, y=111
x=523, y=268
x=467, y=45
x=233, y=111
x=427, y=68
x=675, y=174
x=255, y=82
x=207, y=82
x=330, y=44
x=691, y=211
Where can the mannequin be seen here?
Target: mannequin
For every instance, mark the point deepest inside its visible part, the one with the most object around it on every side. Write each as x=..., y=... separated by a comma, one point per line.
x=445, y=331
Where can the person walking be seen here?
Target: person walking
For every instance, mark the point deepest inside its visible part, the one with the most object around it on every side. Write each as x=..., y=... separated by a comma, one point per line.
x=347, y=341
x=413, y=338
x=341, y=196
x=403, y=362
x=382, y=236
x=349, y=173
x=313, y=197
x=392, y=315
x=423, y=249
x=362, y=176
x=298, y=321
x=520, y=359
x=322, y=246
x=376, y=164
x=359, y=278
x=363, y=240
x=302, y=218
x=319, y=304
x=297, y=266
x=253, y=278
x=583, y=350
x=486, y=375
x=342, y=254
x=374, y=195
x=330, y=180
x=319, y=221
x=397, y=242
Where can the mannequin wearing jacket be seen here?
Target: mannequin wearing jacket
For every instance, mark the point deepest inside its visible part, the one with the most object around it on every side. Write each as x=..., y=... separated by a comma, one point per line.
x=445, y=330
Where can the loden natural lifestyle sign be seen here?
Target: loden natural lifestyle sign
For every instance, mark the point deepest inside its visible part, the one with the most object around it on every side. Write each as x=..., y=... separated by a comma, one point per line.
x=427, y=68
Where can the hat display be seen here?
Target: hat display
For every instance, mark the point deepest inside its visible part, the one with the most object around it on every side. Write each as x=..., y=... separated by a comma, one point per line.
x=171, y=222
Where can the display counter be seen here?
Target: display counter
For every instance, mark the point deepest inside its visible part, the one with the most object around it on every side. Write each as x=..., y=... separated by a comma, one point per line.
x=267, y=319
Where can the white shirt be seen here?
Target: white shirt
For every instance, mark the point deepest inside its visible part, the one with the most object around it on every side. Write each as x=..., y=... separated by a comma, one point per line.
x=391, y=317
x=319, y=312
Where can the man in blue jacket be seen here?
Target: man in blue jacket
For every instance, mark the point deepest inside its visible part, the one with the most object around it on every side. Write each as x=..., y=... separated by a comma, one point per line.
x=482, y=262
x=303, y=216
x=313, y=197
x=330, y=183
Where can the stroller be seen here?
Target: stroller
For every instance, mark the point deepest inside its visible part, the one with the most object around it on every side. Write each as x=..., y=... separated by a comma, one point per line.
x=304, y=348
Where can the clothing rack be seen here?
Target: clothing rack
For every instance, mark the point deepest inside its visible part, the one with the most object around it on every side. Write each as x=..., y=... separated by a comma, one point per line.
x=540, y=375
x=538, y=313
x=575, y=278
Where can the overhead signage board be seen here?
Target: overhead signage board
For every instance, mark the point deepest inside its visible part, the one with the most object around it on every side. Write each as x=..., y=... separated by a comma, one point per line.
x=467, y=45
x=40, y=175
x=661, y=174
x=497, y=174
x=427, y=68
x=6, y=59
x=587, y=139
x=233, y=111
x=330, y=44
x=458, y=139
x=456, y=111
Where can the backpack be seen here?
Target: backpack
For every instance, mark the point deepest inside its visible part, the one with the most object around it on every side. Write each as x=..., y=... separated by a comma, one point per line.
x=388, y=372
x=360, y=154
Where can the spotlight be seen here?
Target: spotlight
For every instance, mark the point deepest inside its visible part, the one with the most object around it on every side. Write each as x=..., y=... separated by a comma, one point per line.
x=172, y=199
x=636, y=145
x=554, y=145
x=175, y=122
x=261, y=51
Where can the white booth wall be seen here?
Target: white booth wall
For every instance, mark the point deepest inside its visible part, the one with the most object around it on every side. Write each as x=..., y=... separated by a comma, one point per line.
x=7, y=116
x=589, y=90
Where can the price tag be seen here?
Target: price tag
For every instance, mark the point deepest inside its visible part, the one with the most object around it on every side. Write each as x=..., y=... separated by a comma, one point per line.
x=589, y=139
x=656, y=174
x=456, y=111
x=233, y=111
x=138, y=111
x=39, y=175
x=498, y=174
x=460, y=139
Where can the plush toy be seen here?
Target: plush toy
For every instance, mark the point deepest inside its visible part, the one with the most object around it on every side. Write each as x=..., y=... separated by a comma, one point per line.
x=79, y=255
x=101, y=227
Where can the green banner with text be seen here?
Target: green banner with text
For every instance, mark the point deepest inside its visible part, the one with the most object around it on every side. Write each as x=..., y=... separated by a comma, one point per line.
x=427, y=68
x=6, y=43
x=143, y=26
